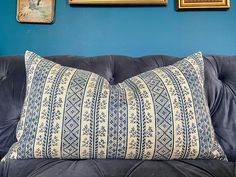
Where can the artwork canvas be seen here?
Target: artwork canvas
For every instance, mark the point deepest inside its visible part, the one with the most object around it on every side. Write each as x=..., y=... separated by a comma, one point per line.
x=120, y=2
x=35, y=11
x=203, y=4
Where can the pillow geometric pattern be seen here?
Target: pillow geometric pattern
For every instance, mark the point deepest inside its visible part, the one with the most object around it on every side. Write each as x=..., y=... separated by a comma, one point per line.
x=70, y=113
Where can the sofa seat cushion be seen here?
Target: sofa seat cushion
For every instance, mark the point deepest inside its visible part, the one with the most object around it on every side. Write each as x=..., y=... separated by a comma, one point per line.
x=116, y=168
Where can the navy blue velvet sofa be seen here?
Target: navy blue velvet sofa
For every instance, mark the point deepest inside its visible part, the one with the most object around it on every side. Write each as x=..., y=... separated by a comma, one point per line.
x=220, y=85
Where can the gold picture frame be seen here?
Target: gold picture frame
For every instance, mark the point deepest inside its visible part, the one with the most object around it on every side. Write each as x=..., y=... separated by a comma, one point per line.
x=203, y=4
x=119, y=2
x=35, y=11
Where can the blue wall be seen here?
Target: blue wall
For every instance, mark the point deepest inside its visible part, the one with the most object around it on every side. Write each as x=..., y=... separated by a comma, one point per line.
x=131, y=31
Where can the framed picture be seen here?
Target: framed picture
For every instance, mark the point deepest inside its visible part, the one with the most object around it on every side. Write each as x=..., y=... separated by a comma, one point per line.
x=35, y=11
x=203, y=4
x=120, y=2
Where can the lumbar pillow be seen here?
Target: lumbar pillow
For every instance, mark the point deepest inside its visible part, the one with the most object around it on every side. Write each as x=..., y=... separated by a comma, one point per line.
x=70, y=113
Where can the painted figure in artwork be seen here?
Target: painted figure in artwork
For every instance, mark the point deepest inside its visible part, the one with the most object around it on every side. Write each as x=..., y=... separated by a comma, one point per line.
x=34, y=4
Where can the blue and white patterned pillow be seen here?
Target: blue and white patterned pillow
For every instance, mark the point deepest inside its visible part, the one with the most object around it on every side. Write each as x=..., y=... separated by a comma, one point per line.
x=70, y=113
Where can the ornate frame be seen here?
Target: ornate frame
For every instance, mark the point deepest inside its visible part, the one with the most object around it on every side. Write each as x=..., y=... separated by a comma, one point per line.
x=203, y=4
x=120, y=2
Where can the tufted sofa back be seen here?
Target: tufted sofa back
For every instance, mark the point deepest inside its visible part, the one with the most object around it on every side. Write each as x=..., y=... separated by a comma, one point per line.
x=220, y=85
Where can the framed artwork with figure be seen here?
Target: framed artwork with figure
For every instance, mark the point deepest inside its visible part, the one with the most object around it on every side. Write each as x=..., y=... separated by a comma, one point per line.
x=120, y=2
x=203, y=4
x=35, y=11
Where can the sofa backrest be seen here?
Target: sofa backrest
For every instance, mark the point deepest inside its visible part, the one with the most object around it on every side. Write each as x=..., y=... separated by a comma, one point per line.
x=220, y=85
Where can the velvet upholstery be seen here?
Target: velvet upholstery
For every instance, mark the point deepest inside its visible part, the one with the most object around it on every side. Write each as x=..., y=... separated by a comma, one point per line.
x=220, y=85
x=118, y=168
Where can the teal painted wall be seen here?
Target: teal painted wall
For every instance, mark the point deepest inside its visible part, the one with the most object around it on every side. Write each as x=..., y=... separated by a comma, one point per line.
x=134, y=31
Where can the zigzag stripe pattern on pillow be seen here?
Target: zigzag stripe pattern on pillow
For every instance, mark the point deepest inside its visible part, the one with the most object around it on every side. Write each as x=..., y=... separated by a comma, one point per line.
x=70, y=113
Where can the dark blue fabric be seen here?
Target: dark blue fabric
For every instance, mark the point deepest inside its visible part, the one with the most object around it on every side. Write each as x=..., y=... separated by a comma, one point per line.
x=117, y=168
x=220, y=85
